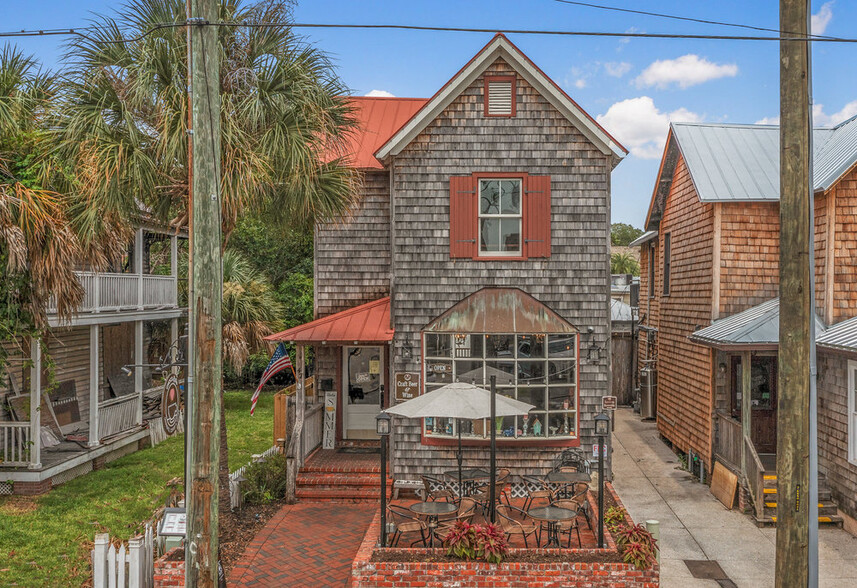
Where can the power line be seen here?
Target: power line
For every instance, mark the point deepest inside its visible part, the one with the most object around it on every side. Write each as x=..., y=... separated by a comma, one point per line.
x=778, y=38
x=683, y=18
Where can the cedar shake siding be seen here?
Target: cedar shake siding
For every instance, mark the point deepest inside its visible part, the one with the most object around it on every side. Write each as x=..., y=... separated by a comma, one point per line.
x=649, y=305
x=844, y=268
x=684, y=368
x=352, y=257
x=573, y=281
x=833, y=430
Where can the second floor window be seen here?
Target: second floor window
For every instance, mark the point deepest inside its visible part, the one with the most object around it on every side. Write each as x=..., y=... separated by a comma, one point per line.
x=500, y=217
x=667, y=262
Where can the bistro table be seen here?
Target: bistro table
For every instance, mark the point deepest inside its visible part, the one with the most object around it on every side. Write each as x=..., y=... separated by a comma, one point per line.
x=566, y=478
x=469, y=477
x=552, y=515
x=432, y=510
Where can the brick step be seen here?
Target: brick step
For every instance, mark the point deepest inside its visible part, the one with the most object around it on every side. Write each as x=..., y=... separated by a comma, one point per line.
x=344, y=469
x=350, y=479
x=314, y=493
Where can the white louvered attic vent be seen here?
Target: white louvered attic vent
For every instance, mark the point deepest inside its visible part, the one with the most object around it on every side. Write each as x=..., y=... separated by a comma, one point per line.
x=500, y=98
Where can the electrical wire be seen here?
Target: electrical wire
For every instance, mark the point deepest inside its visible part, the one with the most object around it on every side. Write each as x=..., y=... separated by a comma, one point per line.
x=626, y=34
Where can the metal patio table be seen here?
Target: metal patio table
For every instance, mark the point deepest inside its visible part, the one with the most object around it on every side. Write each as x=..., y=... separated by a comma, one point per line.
x=566, y=478
x=552, y=515
x=432, y=510
x=469, y=479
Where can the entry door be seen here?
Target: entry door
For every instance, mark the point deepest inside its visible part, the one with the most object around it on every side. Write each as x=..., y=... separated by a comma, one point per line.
x=363, y=374
x=763, y=399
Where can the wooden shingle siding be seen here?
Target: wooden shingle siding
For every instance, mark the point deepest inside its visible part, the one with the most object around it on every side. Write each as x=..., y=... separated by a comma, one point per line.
x=352, y=257
x=573, y=281
x=69, y=349
x=833, y=430
x=649, y=305
x=845, y=249
x=684, y=368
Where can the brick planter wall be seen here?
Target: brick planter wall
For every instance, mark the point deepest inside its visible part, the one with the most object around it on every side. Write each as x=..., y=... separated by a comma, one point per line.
x=169, y=572
x=366, y=573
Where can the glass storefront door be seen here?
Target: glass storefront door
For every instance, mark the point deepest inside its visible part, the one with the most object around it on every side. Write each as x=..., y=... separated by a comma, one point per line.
x=363, y=375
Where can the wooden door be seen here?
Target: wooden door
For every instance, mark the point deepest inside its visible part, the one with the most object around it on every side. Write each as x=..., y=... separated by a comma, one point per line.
x=763, y=398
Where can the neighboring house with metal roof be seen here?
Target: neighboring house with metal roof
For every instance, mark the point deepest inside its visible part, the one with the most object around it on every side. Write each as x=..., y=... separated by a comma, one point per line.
x=709, y=264
x=480, y=246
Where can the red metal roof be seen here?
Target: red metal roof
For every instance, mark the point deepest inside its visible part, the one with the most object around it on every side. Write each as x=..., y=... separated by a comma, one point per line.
x=367, y=323
x=379, y=119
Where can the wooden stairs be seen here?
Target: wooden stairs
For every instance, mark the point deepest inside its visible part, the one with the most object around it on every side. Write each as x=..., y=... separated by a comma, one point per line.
x=827, y=509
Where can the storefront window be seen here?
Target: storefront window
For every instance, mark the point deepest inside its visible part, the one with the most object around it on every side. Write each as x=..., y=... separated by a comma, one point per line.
x=535, y=368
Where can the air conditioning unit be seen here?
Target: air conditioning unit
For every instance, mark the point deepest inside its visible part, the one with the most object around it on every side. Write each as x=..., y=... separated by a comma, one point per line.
x=648, y=393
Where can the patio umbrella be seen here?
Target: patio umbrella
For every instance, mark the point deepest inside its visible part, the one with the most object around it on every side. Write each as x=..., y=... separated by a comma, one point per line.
x=462, y=401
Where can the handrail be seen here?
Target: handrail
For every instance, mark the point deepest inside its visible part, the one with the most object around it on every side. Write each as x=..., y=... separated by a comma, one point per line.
x=14, y=443
x=727, y=446
x=755, y=477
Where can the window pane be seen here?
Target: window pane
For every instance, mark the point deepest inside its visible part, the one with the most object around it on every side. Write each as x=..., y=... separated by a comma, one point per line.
x=561, y=398
x=500, y=346
x=505, y=426
x=534, y=396
x=536, y=424
x=561, y=346
x=469, y=371
x=531, y=345
x=439, y=426
x=438, y=345
x=561, y=424
x=439, y=372
x=531, y=372
x=489, y=197
x=468, y=345
x=510, y=234
x=489, y=234
x=560, y=372
x=510, y=198
x=505, y=372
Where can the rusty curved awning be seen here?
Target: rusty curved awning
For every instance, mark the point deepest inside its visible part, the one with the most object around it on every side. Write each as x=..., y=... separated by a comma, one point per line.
x=500, y=310
x=367, y=323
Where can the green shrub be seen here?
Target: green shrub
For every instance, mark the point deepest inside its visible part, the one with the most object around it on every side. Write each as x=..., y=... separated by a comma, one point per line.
x=614, y=517
x=265, y=480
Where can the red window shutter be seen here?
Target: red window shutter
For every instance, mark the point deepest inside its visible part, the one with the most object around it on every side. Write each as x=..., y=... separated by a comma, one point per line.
x=537, y=217
x=462, y=216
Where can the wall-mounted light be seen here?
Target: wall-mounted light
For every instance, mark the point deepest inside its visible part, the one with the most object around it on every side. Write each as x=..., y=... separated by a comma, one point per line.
x=406, y=351
x=593, y=351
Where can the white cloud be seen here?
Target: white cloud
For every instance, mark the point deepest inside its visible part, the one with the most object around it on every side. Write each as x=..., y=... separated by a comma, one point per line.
x=641, y=127
x=822, y=18
x=380, y=94
x=580, y=83
x=685, y=71
x=819, y=117
x=617, y=69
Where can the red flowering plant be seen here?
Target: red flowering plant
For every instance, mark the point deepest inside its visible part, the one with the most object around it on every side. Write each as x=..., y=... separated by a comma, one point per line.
x=469, y=542
x=636, y=545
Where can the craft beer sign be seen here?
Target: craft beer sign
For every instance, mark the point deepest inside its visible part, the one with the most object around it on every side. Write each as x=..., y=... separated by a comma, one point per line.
x=407, y=385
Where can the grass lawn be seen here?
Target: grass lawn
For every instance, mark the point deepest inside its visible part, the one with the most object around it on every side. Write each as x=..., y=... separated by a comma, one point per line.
x=45, y=541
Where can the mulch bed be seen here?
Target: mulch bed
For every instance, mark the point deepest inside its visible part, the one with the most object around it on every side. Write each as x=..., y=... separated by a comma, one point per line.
x=523, y=556
x=238, y=528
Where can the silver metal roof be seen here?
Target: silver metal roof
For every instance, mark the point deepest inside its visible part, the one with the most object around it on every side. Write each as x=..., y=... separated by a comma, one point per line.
x=837, y=155
x=759, y=325
x=644, y=238
x=619, y=311
x=841, y=336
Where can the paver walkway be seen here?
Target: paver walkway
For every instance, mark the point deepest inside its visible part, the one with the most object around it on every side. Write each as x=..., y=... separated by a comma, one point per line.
x=695, y=526
x=305, y=545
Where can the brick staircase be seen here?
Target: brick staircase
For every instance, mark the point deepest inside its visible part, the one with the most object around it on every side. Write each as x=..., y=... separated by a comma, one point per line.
x=827, y=509
x=329, y=476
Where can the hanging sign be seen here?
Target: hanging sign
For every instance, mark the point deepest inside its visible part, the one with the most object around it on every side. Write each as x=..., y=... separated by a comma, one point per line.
x=608, y=403
x=171, y=405
x=407, y=385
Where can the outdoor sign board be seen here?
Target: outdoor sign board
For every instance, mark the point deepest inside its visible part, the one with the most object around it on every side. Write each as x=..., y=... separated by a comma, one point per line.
x=171, y=405
x=174, y=523
x=608, y=403
x=407, y=385
x=328, y=438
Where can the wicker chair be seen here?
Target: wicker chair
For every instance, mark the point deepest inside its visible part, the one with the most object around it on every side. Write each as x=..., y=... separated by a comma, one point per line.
x=503, y=475
x=579, y=498
x=511, y=526
x=466, y=510
x=568, y=526
x=443, y=491
x=406, y=523
x=543, y=492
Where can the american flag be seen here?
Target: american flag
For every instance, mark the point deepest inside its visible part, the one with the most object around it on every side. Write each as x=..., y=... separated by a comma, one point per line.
x=279, y=361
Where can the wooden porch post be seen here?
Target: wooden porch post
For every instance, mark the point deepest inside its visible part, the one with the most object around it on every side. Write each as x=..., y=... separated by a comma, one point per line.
x=138, y=266
x=746, y=406
x=300, y=403
x=138, y=370
x=35, y=404
x=174, y=337
x=94, y=368
x=174, y=272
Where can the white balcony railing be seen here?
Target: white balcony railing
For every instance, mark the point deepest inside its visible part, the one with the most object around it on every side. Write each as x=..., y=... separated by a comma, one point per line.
x=106, y=292
x=14, y=444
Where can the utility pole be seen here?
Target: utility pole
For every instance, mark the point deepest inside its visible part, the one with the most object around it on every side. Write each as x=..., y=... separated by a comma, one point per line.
x=201, y=554
x=797, y=510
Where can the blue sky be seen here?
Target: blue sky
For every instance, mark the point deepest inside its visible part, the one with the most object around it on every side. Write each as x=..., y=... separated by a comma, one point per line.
x=632, y=86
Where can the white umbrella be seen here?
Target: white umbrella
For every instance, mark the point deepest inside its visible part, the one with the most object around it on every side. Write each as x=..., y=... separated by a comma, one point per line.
x=461, y=401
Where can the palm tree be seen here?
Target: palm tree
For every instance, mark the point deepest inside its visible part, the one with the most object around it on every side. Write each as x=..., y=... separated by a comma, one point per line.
x=249, y=309
x=284, y=117
x=624, y=263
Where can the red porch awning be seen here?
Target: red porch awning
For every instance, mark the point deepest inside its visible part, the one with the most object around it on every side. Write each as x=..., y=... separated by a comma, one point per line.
x=367, y=323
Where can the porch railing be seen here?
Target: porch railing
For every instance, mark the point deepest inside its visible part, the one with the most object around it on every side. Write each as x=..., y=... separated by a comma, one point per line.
x=727, y=442
x=106, y=292
x=14, y=444
x=755, y=477
x=313, y=429
x=117, y=415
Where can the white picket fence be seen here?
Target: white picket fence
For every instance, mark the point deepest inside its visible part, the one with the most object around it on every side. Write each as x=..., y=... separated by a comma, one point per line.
x=128, y=567
x=235, y=497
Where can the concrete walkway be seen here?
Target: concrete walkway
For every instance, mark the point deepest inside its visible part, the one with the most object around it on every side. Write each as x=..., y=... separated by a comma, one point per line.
x=696, y=526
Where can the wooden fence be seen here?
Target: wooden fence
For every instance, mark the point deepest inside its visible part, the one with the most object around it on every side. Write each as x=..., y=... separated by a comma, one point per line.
x=236, y=499
x=281, y=407
x=127, y=567
x=728, y=440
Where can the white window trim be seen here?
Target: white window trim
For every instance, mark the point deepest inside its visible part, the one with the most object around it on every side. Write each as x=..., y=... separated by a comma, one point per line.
x=852, y=412
x=479, y=216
